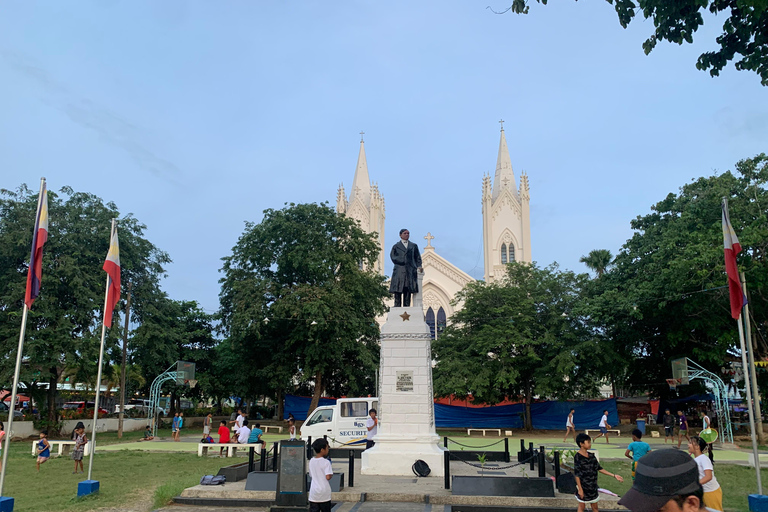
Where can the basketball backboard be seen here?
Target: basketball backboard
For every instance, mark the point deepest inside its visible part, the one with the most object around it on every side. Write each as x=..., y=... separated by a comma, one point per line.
x=680, y=370
x=185, y=372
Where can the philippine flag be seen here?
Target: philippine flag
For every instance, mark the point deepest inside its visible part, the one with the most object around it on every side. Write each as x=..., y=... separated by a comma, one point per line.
x=732, y=248
x=112, y=268
x=39, y=237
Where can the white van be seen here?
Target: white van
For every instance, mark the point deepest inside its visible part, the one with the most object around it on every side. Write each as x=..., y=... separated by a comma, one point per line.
x=343, y=423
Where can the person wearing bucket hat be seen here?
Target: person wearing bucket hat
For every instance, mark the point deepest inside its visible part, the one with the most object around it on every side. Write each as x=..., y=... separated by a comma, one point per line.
x=665, y=481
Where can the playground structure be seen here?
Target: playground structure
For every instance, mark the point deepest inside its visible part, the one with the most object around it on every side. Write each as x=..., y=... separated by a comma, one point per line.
x=684, y=370
x=184, y=375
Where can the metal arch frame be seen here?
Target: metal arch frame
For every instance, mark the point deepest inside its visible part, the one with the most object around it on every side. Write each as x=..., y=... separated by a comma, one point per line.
x=695, y=371
x=154, y=395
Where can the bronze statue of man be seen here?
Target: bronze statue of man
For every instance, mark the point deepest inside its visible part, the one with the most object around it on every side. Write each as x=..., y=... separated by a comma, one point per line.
x=407, y=259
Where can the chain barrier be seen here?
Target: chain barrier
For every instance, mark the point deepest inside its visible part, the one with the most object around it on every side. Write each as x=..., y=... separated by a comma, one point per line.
x=470, y=446
x=519, y=463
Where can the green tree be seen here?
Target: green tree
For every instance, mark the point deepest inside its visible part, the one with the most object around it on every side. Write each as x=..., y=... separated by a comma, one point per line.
x=175, y=330
x=299, y=300
x=666, y=295
x=598, y=260
x=63, y=328
x=520, y=337
x=745, y=28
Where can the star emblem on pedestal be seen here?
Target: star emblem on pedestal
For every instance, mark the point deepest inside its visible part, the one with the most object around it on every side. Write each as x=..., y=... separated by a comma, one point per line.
x=405, y=316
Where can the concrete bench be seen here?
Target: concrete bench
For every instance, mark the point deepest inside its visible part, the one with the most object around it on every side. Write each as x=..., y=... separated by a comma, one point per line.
x=266, y=428
x=611, y=430
x=62, y=447
x=484, y=430
x=202, y=448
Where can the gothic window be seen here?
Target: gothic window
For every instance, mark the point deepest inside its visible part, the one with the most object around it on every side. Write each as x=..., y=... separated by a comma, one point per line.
x=431, y=321
x=507, y=254
x=441, y=320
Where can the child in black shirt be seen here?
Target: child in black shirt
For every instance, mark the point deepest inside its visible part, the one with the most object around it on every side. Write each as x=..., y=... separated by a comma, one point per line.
x=586, y=467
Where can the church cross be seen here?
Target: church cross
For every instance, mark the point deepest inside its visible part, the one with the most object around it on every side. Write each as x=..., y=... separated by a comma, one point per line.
x=501, y=122
x=361, y=136
x=429, y=239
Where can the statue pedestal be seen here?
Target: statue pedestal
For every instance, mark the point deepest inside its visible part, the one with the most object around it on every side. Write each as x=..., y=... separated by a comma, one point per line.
x=406, y=404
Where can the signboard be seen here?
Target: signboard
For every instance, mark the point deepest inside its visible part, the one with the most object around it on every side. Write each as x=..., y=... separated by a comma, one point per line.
x=292, y=476
x=404, y=382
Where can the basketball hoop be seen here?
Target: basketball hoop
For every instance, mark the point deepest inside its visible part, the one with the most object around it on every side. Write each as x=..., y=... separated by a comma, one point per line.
x=192, y=383
x=673, y=383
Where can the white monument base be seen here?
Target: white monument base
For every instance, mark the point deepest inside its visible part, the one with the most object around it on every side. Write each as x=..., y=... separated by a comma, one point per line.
x=406, y=413
x=396, y=456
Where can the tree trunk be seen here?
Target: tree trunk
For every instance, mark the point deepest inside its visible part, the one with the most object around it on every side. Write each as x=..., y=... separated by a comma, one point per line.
x=280, y=405
x=53, y=381
x=219, y=406
x=613, y=388
x=173, y=410
x=528, y=400
x=317, y=393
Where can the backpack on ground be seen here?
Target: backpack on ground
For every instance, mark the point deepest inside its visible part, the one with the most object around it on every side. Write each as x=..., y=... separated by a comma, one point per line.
x=421, y=468
x=213, y=480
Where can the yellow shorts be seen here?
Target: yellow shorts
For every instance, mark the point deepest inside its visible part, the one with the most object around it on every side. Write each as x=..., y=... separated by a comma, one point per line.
x=714, y=499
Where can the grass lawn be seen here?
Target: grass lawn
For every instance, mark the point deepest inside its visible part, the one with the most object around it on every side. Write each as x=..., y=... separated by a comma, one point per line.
x=139, y=479
x=736, y=481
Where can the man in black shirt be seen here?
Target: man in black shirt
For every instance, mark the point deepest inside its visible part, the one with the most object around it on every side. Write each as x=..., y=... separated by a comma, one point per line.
x=669, y=426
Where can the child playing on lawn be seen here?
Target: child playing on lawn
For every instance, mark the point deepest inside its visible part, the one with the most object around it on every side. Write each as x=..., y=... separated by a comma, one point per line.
x=77, y=454
x=223, y=436
x=586, y=467
x=321, y=471
x=636, y=449
x=43, y=449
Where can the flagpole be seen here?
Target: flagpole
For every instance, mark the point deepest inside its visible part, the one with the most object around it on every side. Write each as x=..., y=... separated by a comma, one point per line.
x=751, y=409
x=98, y=373
x=751, y=361
x=19, y=352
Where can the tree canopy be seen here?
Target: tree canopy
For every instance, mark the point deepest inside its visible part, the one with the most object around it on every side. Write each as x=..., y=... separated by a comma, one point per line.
x=299, y=302
x=666, y=295
x=745, y=28
x=63, y=325
x=520, y=337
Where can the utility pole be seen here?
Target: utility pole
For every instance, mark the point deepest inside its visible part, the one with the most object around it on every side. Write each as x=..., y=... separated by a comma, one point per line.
x=122, y=369
x=750, y=377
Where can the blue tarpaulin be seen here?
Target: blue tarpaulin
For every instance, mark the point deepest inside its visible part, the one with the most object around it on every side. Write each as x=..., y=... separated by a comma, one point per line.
x=544, y=415
x=299, y=405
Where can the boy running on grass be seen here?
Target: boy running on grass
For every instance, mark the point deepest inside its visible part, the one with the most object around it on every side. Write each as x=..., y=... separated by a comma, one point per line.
x=321, y=471
x=636, y=449
x=586, y=467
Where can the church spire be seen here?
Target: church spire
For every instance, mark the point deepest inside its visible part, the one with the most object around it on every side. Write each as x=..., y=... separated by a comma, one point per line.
x=361, y=185
x=505, y=176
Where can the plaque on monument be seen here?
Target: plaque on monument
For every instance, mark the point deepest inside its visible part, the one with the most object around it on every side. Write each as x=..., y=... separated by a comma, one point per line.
x=404, y=381
x=291, y=478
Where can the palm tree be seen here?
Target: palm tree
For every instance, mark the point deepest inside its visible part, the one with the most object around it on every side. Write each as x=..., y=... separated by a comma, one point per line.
x=598, y=260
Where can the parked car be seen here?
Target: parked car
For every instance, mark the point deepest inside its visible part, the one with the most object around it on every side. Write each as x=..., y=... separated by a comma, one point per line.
x=342, y=423
x=135, y=403
x=17, y=415
x=80, y=407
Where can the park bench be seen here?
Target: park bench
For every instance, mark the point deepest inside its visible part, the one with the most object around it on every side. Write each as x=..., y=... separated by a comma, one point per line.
x=611, y=430
x=484, y=430
x=62, y=447
x=266, y=428
x=202, y=448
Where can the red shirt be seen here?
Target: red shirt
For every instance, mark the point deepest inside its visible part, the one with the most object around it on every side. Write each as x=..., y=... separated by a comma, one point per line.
x=223, y=434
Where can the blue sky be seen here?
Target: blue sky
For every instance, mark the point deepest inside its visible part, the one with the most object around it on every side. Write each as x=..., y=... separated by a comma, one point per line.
x=196, y=116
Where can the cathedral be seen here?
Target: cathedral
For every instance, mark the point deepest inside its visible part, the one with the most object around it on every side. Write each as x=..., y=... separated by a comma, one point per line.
x=506, y=232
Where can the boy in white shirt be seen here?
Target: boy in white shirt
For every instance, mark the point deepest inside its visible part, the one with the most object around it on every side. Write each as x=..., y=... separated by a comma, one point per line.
x=321, y=471
x=243, y=433
x=604, y=426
